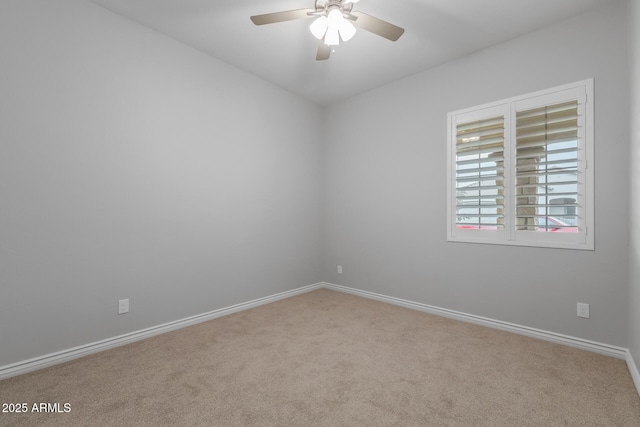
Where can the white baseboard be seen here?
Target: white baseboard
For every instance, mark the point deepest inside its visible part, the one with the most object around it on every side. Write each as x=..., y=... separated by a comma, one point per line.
x=596, y=347
x=51, y=359
x=26, y=366
x=633, y=369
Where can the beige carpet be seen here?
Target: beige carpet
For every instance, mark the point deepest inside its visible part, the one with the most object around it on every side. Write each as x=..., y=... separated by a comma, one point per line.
x=328, y=358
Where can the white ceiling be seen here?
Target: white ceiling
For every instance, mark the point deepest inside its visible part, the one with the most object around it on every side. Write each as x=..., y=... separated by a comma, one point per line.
x=436, y=31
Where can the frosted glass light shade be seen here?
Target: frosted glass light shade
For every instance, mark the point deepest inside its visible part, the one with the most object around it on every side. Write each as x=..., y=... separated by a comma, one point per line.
x=319, y=27
x=334, y=18
x=347, y=30
x=332, y=37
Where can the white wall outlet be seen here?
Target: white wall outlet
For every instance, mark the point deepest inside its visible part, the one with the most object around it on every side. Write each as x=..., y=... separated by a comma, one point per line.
x=339, y=269
x=123, y=306
x=583, y=310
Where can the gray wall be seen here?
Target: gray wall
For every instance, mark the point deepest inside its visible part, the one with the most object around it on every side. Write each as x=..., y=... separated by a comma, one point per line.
x=134, y=167
x=384, y=187
x=634, y=247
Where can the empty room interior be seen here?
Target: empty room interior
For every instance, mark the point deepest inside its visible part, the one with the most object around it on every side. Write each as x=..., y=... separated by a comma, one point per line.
x=206, y=220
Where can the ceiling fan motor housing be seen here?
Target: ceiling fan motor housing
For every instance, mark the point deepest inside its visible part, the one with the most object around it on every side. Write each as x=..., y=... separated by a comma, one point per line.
x=325, y=5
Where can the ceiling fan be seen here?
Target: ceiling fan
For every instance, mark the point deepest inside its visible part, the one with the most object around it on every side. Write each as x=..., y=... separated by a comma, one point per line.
x=335, y=20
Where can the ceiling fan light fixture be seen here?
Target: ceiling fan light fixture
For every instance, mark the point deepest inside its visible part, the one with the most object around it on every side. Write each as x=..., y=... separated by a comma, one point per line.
x=334, y=27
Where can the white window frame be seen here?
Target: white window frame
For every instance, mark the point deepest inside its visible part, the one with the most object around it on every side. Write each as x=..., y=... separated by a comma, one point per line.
x=581, y=91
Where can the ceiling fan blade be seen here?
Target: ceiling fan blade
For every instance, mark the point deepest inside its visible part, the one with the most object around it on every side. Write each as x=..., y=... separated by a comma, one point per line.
x=289, y=15
x=324, y=52
x=377, y=26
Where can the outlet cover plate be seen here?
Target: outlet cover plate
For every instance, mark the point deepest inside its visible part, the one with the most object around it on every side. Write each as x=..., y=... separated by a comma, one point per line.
x=123, y=306
x=583, y=310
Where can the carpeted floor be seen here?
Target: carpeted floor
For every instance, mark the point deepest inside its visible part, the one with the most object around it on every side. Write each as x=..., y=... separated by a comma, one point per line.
x=332, y=359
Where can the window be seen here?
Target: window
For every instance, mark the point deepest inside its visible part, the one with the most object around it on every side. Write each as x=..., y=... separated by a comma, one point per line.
x=520, y=171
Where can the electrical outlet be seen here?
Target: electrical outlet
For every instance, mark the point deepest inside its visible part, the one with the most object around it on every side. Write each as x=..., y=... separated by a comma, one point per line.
x=583, y=310
x=123, y=306
x=339, y=269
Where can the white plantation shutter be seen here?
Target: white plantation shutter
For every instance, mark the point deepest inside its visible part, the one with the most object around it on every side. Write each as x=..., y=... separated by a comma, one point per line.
x=547, y=168
x=521, y=170
x=480, y=173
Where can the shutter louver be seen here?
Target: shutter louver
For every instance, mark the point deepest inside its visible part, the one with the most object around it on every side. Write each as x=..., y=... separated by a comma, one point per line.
x=480, y=174
x=547, y=161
